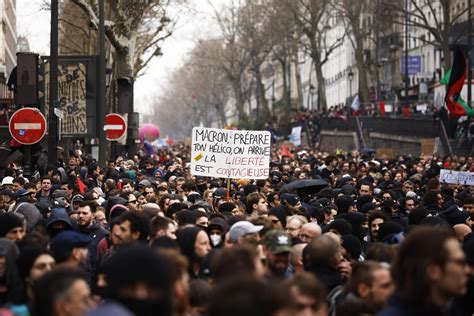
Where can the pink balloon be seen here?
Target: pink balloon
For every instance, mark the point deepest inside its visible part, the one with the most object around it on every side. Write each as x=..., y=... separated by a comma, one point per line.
x=149, y=132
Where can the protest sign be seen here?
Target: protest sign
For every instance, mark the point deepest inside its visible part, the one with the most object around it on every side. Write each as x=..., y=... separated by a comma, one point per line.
x=295, y=136
x=456, y=177
x=230, y=153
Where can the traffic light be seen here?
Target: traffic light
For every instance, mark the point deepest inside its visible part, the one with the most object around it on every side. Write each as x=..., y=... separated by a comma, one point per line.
x=125, y=95
x=27, y=79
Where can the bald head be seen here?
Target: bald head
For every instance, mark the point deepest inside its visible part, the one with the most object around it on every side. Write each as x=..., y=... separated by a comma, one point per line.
x=461, y=231
x=323, y=251
x=309, y=231
x=296, y=257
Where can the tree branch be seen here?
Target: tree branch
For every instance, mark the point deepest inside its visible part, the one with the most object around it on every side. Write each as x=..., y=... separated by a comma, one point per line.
x=109, y=32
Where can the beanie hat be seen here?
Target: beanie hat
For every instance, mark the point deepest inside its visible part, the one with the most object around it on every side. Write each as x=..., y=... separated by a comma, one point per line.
x=28, y=257
x=8, y=221
x=341, y=226
x=117, y=210
x=455, y=216
x=352, y=245
x=185, y=217
x=389, y=228
x=361, y=201
x=343, y=202
x=417, y=215
x=226, y=207
x=279, y=212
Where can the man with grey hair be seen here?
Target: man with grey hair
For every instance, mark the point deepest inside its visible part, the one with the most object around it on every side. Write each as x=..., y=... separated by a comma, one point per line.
x=294, y=224
x=309, y=231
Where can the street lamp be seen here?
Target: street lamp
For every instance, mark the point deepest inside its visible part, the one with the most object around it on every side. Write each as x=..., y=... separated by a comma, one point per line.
x=312, y=89
x=350, y=76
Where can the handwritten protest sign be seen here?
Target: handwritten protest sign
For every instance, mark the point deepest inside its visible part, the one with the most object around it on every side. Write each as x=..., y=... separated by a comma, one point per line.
x=230, y=153
x=456, y=177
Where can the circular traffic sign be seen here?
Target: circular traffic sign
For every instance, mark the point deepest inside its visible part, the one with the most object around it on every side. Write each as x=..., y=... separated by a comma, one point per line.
x=115, y=126
x=27, y=126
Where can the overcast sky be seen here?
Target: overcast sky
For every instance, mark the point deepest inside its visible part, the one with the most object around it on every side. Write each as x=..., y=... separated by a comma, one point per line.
x=34, y=23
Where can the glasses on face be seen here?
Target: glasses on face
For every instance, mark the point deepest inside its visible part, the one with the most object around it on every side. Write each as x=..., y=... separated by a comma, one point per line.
x=134, y=202
x=304, y=237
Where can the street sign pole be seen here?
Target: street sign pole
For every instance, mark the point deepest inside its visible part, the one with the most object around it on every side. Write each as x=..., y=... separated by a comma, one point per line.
x=102, y=98
x=53, y=88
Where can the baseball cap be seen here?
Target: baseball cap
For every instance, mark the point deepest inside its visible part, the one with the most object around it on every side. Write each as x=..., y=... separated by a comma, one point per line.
x=7, y=192
x=243, y=228
x=7, y=181
x=63, y=243
x=144, y=183
x=22, y=192
x=292, y=199
x=277, y=241
x=60, y=194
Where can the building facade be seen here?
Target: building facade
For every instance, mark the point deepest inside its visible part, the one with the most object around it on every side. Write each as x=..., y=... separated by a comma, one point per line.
x=8, y=42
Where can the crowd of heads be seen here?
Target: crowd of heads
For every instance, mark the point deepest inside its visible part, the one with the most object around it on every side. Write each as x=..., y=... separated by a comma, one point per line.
x=346, y=234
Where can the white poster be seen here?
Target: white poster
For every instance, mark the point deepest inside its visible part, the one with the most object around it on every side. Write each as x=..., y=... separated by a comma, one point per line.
x=230, y=153
x=295, y=136
x=456, y=177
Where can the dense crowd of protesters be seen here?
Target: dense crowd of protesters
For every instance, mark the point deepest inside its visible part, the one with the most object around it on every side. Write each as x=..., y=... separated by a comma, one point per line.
x=146, y=237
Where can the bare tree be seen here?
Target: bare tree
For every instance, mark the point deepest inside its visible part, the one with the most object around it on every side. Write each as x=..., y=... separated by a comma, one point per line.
x=258, y=39
x=312, y=18
x=352, y=13
x=136, y=30
x=230, y=56
x=432, y=16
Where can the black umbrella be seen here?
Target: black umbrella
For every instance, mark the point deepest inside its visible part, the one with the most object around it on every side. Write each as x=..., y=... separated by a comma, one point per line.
x=301, y=184
x=305, y=188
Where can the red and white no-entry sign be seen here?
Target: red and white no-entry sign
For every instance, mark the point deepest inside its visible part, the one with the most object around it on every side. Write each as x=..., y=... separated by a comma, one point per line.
x=27, y=126
x=115, y=126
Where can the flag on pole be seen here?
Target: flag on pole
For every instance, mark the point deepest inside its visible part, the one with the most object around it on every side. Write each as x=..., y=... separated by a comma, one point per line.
x=286, y=152
x=457, y=76
x=355, y=104
x=81, y=185
x=382, y=108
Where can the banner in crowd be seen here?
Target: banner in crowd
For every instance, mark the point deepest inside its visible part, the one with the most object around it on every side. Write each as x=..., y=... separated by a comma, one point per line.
x=456, y=177
x=230, y=153
x=295, y=136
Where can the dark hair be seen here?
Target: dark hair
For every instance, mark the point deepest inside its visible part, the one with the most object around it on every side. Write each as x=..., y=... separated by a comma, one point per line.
x=238, y=260
x=58, y=283
x=247, y=296
x=159, y=223
x=309, y=285
x=46, y=178
x=253, y=199
x=138, y=223
x=380, y=252
x=362, y=273
x=430, y=198
x=423, y=246
x=92, y=205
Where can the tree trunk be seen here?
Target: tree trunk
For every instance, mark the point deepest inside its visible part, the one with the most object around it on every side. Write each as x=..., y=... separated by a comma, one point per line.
x=318, y=69
x=239, y=102
x=265, y=112
x=363, y=79
x=299, y=85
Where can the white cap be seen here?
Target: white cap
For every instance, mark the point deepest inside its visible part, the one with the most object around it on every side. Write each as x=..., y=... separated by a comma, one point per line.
x=243, y=228
x=7, y=181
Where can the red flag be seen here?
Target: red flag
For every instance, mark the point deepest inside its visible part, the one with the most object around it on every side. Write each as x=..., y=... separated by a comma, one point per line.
x=382, y=108
x=81, y=185
x=285, y=151
x=456, y=82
